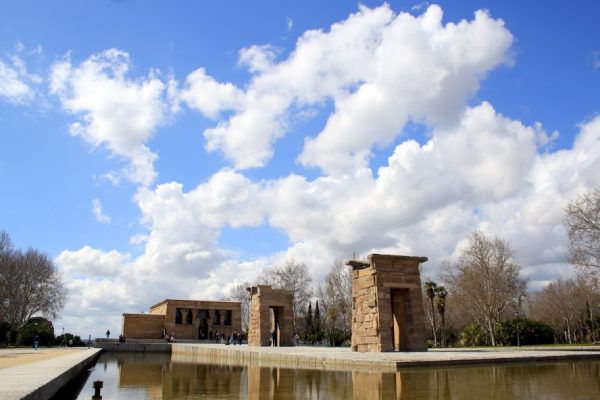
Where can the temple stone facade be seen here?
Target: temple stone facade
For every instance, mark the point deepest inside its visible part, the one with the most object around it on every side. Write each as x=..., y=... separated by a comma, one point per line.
x=387, y=305
x=185, y=319
x=271, y=316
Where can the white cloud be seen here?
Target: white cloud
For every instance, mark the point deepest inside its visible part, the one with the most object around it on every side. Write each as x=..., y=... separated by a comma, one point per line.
x=257, y=58
x=98, y=213
x=119, y=113
x=378, y=68
x=425, y=72
x=92, y=262
x=17, y=85
x=208, y=96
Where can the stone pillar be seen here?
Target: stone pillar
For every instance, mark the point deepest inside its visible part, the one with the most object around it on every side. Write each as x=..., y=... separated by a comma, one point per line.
x=387, y=306
x=263, y=298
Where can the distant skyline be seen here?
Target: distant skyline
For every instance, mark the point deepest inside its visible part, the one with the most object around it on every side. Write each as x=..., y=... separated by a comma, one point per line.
x=174, y=151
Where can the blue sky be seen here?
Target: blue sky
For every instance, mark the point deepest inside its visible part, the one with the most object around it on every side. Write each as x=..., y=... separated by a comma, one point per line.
x=175, y=150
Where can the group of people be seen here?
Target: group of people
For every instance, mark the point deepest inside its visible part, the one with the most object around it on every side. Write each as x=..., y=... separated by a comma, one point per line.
x=233, y=338
x=168, y=339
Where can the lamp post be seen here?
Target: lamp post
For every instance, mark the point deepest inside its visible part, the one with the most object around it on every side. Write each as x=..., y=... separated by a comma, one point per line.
x=517, y=321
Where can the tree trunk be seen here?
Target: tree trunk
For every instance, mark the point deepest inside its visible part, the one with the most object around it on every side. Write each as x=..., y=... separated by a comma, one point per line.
x=592, y=337
x=568, y=332
x=443, y=328
x=491, y=331
x=433, y=321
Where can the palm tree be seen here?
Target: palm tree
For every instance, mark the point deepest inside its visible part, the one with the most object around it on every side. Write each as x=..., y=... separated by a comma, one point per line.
x=430, y=287
x=440, y=305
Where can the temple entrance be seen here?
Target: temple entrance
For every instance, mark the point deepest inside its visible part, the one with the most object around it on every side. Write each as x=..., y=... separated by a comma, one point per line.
x=203, y=332
x=398, y=319
x=275, y=317
x=203, y=325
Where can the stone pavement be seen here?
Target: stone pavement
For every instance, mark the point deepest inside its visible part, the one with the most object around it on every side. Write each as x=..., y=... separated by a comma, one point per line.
x=345, y=359
x=30, y=374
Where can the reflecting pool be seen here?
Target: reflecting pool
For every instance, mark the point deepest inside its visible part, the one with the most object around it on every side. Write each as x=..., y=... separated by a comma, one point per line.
x=156, y=376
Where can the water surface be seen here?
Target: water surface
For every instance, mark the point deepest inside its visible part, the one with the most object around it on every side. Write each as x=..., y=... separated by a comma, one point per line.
x=156, y=376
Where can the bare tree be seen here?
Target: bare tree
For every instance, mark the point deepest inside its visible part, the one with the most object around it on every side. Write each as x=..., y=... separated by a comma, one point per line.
x=291, y=276
x=335, y=294
x=29, y=285
x=486, y=279
x=582, y=221
x=239, y=293
x=567, y=305
x=556, y=304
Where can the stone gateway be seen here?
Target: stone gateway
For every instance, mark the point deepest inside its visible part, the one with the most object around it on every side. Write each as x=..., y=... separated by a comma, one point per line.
x=271, y=316
x=387, y=305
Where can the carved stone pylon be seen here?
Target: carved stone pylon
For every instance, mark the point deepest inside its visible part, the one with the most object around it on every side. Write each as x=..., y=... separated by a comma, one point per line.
x=271, y=316
x=387, y=305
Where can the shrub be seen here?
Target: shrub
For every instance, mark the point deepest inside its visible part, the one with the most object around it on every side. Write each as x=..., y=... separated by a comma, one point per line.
x=338, y=337
x=473, y=335
x=4, y=330
x=530, y=332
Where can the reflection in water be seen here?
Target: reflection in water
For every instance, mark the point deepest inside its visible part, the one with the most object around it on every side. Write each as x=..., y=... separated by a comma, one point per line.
x=157, y=376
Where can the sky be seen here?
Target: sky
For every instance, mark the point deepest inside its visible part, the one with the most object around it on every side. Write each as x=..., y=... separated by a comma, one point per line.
x=174, y=150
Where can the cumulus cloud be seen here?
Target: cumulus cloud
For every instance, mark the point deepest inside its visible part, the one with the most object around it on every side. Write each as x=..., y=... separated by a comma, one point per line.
x=205, y=94
x=379, y=69
x=93, y=262
x=112, y=110
x=98, y=213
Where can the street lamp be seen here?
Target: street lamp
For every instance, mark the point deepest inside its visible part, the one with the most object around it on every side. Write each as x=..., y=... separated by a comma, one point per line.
x=517, y=321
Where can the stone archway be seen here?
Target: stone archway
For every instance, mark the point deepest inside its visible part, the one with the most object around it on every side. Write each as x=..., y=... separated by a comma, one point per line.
x=387, y=305
x=271, y=316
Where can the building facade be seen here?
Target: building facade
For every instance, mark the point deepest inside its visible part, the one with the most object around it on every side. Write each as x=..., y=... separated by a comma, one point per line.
x=185, y=319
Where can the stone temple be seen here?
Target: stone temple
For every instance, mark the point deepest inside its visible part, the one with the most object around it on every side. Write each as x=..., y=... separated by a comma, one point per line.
x=387, y=311
x=387, y=304
x=185, y=319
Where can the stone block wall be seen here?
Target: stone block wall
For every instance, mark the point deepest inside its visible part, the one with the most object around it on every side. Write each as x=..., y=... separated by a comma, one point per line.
x=387, y=306
x=262, y=299
x=184, y=330
x=143, y=326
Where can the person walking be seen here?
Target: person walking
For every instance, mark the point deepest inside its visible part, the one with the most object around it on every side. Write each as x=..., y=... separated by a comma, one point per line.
x=36, y=341
x=107, y=333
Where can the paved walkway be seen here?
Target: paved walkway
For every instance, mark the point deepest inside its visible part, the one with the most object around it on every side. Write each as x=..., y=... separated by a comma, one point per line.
x=344, y=358
x=38, y=374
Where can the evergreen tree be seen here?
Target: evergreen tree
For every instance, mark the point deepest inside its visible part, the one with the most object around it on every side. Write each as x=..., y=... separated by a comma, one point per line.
x=308, y=327
x=317, y=320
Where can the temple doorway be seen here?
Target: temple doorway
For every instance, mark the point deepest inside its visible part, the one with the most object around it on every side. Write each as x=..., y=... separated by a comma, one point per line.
x=203, y=317
x=275, y=317
x=398, y=319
